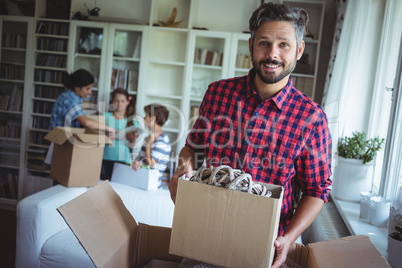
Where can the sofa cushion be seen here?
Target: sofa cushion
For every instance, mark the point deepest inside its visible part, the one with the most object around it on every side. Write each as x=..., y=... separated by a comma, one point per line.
x=63, y=250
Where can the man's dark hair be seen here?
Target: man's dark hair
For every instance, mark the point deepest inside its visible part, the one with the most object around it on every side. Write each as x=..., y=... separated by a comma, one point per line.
x=159, y=111
x=278, y=12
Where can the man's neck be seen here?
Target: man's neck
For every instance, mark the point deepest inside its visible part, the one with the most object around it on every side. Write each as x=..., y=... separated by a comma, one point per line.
x=267, y=91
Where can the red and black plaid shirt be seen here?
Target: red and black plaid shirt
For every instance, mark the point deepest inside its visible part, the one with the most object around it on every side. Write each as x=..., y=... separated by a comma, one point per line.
x=283, y=140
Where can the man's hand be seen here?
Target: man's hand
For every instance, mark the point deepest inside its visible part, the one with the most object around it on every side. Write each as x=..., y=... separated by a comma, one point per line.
x=282, y=246
x=180, y=171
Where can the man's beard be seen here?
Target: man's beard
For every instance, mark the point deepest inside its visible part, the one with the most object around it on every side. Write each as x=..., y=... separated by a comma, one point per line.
x=272, y=78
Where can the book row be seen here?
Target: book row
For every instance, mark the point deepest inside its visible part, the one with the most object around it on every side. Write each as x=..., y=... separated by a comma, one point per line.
x=126, y=79
x=12, y=101
x=52, y=44
x=12, y=71
x=51, y=60
x=36, y=158
x=42, y=107
x=8, y=183
x=10, y=129
x=207, y=57
x=40, y=122
x=244, y=61
x=47, y=76
x=53, y=28
x=38, y=138
x=14, y=40
x=48, y=92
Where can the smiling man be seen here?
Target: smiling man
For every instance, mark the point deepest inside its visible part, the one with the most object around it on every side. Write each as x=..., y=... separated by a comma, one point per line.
x=262, y=124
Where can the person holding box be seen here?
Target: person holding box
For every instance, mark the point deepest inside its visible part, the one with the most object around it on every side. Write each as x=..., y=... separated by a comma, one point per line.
x=155, y=151
x=262, y=124
x=67, y=110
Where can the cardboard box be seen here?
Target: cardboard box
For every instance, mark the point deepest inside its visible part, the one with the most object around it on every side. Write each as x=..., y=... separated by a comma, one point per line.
x=109, y=233
x=225, y=227
x=352, y=251
x=77, y=156
x=147, y=179
x=112, y=238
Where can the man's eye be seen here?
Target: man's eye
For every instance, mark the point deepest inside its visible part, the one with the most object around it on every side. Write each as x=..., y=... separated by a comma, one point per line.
x=284, y=45
x=263, y=43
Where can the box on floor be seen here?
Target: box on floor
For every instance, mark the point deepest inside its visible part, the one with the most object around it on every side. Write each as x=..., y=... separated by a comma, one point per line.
x=101, y=211
x=77, y=156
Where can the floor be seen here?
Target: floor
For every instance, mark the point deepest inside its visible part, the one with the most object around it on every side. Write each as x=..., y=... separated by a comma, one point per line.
x=8, y=223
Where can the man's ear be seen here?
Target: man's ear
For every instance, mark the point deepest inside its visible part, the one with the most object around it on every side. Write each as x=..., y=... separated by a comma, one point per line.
x=300, y=50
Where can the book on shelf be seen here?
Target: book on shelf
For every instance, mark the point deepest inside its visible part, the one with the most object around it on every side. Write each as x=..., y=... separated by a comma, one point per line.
x=243, y=61
x=8, y=184
x=207, y=57
x=12, y=101
x=126, y=79
x=137, y=48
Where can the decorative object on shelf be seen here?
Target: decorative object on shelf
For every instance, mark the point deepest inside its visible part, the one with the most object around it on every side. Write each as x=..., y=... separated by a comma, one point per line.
x=395, y=247
x=379, y=211
x=303, y=65
x=354, y=171
x=170, y=22
x=365, y=198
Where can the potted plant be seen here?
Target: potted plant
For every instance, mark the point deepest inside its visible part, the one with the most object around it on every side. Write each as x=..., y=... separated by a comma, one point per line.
x=395, y=247
x=354, y=171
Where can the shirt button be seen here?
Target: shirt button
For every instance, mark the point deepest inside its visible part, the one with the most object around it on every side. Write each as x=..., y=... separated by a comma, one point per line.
x=256, y=114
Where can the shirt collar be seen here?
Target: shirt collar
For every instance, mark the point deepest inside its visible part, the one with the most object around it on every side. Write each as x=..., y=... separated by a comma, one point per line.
x=75, y=96
x=279, y=99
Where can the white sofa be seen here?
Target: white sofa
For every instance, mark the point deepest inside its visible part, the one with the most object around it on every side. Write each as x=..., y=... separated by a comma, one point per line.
x=45, y=240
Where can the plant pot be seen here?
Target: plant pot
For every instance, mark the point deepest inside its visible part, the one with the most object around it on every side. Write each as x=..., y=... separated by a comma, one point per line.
x=394, y=252
x=351, y=177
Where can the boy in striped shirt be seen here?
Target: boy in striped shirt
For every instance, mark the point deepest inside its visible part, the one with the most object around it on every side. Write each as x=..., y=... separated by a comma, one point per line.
x=156, y=149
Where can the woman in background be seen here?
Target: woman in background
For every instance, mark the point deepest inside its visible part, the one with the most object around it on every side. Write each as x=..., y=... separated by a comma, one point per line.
x=67, y=110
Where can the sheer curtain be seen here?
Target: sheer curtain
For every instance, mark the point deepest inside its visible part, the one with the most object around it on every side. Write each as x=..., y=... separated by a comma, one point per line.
x=347, y=99
x=356, y=96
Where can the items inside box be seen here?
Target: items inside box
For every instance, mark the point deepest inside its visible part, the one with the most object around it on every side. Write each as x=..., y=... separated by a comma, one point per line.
x=233, y=179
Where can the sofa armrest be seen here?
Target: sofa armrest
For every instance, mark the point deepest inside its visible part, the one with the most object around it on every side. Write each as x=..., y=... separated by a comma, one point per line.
x=38, y=219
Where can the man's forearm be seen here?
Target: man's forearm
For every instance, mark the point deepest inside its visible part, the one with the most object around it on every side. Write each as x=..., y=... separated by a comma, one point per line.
x=306, y=212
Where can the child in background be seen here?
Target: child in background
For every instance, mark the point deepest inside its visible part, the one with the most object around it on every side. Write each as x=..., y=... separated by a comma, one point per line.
x=156, y=149
x=121, y=117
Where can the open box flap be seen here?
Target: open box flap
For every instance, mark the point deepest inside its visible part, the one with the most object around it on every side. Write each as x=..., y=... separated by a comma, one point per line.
x=103, y=225
x=59, y=135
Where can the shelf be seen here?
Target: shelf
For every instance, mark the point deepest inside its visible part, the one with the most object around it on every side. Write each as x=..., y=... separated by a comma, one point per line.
x=41, y=115
x=9, y=139
x=164, y=96
x=10, y=112
x=206, y=66
x=51, y=52
x=40, y=130
x=43, y=99
x=12, y=81
x=50, y=68
x=116, y=58
x=173, y=63
x=52, y=36
x=47, y=84
x=83, y=55
x=14, y=49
